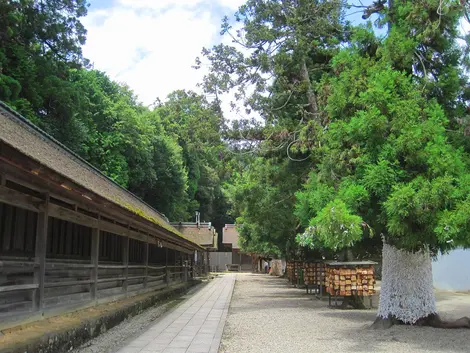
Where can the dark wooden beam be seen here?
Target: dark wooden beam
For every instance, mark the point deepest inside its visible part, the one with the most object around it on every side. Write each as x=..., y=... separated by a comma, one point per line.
x=95, y=253
x=185, y=268
x=113, y=228
x=18, y=199
x=72, y=216
x=146, y=261
x=125, y=262
x=167, y=270
x=40, y=256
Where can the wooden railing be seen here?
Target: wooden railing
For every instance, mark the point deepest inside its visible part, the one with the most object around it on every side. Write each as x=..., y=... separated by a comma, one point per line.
x=68, y=283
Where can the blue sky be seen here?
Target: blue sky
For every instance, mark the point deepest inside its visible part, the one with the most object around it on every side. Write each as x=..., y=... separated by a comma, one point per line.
x=151, y=44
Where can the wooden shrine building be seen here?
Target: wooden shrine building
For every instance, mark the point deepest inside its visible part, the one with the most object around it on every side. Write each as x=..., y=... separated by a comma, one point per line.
x=69, y=236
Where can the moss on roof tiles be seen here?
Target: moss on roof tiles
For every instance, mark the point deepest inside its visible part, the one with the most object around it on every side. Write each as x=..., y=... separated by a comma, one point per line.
x=154, y=220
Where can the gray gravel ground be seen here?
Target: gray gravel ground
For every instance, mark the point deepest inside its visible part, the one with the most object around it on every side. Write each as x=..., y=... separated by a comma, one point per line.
x=268, y=315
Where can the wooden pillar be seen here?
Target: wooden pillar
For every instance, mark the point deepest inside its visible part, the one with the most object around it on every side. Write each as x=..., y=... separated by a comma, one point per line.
x=177, y=269
x=125, y=261
x=95, y=253
x=40, y=256
x=146, y=260
x=167, y=277
x=191, y=261
x=185, y=268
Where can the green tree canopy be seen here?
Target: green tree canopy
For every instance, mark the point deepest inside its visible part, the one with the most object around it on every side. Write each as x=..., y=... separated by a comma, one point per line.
x=388, y=147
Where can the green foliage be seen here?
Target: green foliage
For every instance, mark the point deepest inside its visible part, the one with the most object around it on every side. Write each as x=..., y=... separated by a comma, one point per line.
x=262, y=195
x=313, y=197
x=168, y=157
x=387, y=153
x=361, y=135
x=282, y=48
x=334, y=227
x=196, y=125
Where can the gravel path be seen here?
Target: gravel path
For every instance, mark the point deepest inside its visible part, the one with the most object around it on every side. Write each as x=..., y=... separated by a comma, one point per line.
x=267, y=315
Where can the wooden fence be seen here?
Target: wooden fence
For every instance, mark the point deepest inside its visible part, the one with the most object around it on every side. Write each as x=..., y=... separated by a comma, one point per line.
x=75, y=265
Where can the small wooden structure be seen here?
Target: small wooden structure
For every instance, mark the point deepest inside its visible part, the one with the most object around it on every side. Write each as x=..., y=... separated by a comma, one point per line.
x=314, y=277
x=293, y=268
x=70, y=237
x=351, y=278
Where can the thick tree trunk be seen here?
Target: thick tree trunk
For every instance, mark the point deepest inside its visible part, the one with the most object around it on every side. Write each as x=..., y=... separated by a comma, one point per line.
x=407, y=293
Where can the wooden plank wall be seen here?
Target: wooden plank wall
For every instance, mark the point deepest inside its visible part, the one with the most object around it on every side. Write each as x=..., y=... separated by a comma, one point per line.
x=67, y=240
x=17, y=231
x=70, y=270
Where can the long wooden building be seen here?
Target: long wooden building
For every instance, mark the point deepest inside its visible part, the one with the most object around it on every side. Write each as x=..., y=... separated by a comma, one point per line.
x=69, y=236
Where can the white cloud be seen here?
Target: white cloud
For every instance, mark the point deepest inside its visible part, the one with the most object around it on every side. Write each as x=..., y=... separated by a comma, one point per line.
x=159, y=4
x=232, y=4
x=152, y=52
x=151, y=45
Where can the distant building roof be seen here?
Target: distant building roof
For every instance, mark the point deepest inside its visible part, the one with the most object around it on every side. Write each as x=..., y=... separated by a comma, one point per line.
x=230, y=236
x=203, y=233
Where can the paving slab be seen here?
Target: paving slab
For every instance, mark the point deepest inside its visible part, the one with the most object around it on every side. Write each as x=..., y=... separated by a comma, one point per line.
x=195, y=326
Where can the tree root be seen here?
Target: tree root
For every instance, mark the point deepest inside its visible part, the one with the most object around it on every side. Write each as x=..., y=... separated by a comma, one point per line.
x=432, y=320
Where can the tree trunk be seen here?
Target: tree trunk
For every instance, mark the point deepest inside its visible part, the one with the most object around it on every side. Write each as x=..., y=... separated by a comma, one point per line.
x=407, y=293
x=312, y=107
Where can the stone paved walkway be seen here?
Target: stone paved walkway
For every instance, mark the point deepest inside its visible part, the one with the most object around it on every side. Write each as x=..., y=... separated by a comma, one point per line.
x=195, y=326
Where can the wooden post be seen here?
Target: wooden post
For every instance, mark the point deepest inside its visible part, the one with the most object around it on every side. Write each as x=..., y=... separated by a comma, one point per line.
x=176, y=269
x=185, y=269
x=125, y=261
x=95, y=253
x=167, y=277
x=40, y=256
x=146, y=260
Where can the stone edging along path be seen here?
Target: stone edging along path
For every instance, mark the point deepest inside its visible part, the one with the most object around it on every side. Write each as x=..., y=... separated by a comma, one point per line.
x=64, y=332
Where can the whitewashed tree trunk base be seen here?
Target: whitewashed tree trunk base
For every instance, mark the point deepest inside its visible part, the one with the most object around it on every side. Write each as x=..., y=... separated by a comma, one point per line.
x=407, y=293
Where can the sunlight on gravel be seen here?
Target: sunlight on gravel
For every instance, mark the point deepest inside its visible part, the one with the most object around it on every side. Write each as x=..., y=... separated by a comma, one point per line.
x=268, y=315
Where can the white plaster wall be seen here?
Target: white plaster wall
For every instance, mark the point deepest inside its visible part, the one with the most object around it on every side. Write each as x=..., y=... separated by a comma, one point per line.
x=452, y=271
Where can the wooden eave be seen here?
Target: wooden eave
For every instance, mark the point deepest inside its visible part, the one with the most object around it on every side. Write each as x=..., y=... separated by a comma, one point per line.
x=22, y=161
